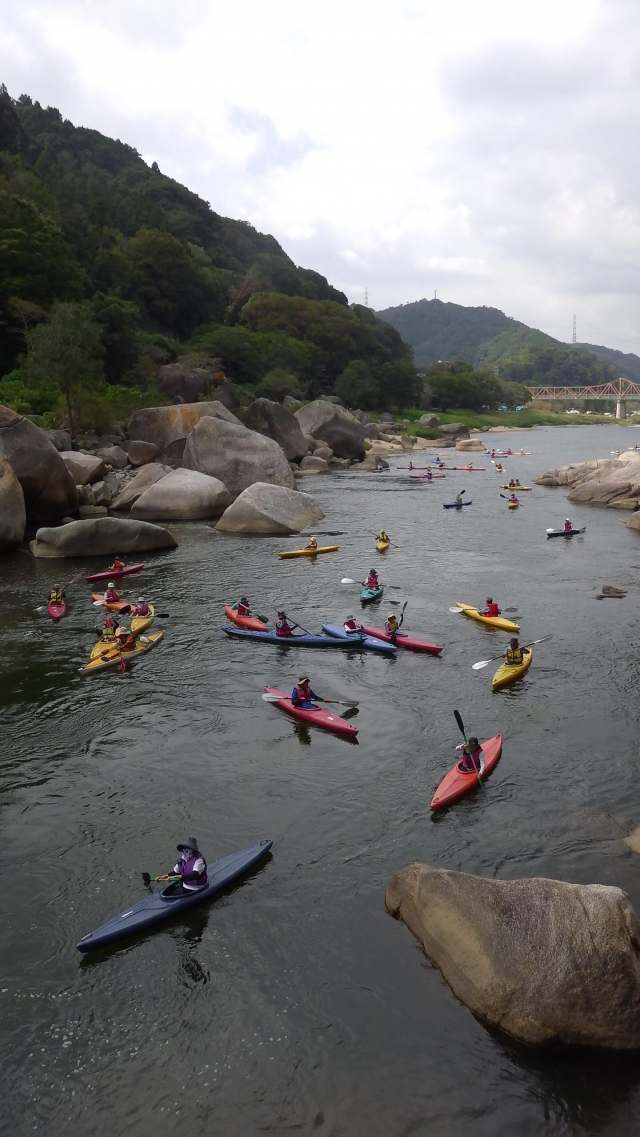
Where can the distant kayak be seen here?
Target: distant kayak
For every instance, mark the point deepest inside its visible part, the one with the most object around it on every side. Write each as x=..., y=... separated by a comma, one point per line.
x=455, y=504
x=56, y=611
x=160, y=906
x=403, y=639
x=314, y=715
x=358, y=640
x=309, y=552
x=500, y=622
x=513, y=505
x=517, y=489
x=114, y=606
x=499, y=453
x=112, y=655
x=425, y=477
x=369, y=595
x=457, y=784
x=563, y=533
x=113, y=574
x=252, y=623
x=508, y=673
x=382, y=546
x=302, y=640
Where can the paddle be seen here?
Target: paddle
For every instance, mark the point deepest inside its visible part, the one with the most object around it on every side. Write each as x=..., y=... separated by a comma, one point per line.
x=341, y=702
x=306, y=630
x=67, y=584
x=348, y=580
x=485, y=662
x=458, y=718
x=508, y=498
x=147, y=879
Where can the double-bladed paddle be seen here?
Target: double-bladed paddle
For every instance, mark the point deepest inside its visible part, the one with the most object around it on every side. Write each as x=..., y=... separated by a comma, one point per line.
x=348, y=580
x=147, y=879
x=267, y=698
x=458, y=718
x=485, y=662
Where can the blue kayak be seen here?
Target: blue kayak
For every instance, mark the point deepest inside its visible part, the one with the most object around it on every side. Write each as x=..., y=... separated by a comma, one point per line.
x=303, y=640
x=455, y=504
x=160, y=906
x=358, y=639
x=368, y=595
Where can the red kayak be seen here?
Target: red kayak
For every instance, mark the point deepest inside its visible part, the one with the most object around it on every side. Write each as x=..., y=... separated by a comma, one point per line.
x=250, y=623
x=403, y=640
x=314, y=715
x=114, y=606
x=56, y=611
x=457, y=784
x=112, y=574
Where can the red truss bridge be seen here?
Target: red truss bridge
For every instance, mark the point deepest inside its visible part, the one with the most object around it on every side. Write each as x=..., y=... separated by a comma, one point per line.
x=618, y=389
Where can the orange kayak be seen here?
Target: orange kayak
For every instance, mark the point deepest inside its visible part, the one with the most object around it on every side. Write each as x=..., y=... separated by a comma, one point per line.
x=251, y=623
x=115, y=606
x=457, y=784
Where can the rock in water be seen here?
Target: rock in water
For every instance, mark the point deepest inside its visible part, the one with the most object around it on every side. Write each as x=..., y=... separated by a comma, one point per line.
x=183, y=495
x=264, y=508
x=13, y=515
x=141, y=481
x=334, y=425
x=236, y=455
x=543, y=960
x=48, y=488
x=276, y=422
x=164, y=425
x=470, y=445
x=101, y=535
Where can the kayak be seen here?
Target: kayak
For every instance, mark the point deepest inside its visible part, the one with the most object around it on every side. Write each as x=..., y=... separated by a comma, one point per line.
x=435, y=466
x=268, y=637
x=114, y=606
x=382, y=546
x=411, y=643
x=455, y=504
x=509, y=673
x=309, y=552
x=491, y=621
x=56, y=611
x=456, y=784
x=314, y=715
x=368, y=595
x=562, y=533
x=499, y=453
x=252, y=623
x=139, y=624
x=114, y=655
x=517, y=489
x=157, y=907
x=357, y=640
x=111, y=574
x=104, y=647
x=513, y=505
x=425, y=477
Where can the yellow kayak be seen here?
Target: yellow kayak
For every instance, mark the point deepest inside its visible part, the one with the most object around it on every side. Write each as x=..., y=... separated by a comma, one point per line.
x=309, y=552
x=513, y=505
x=111, y=656
x=140, y=624
x=382, y=546
x=491, y=621
x=508, y=673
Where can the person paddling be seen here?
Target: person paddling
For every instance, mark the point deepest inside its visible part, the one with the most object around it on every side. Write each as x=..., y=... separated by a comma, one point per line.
x=429, y=476
x=514, y=653
x=568, y=525
x=283, y=627
x=125, y=640
x=459, y=499
x=384, y=537
x=351, y=626
x=312, y=543
x=141, y=608
x=191, y=867
x=391, y=626
x=471, y=759
x=117, y=565
x=111, y=596
x=302, y=694
x=372, y=581
x=57, y=595
x=491, y=609
x=243, y=607
x=108, y=630
x=513, y=500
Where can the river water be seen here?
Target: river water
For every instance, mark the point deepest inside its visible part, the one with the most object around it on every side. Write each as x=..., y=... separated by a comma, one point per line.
x=295, y=1004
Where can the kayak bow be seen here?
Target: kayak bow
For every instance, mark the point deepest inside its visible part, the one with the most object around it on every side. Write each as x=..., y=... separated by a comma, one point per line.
x=411, y=643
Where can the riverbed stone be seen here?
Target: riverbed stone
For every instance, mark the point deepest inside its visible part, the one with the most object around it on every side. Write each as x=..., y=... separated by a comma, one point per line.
x=113, y=456
x=312, y=464
x=545, y=961
x=268, y=509
x=330, y=423
x=453, y=430
x=13, y=516
x=140, y=482
x=236, y=455
x=182, y=495
x=140, y=453
x=84, y=468
x=470, y=446
x=163, y=425
x=99, y=536
x=49, y=489
x=61, y=439
x=276, y=422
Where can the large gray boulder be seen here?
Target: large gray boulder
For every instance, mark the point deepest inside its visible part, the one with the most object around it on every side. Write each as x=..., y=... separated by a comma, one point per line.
x=264, y=508
x=332, y=424
x=236, y=455
x=61, y=439
x=542, y=960
x=183, y=383
x=139, y=453
x=182, y=495
x=99, y=536
x=13, y=516
x=453, y=430
x=312, y=464
x=164, y=425
x=84, y=468
x=140, y=482
x=48, y=487
x=470, y=446
x=275, y=422
x=113, y=456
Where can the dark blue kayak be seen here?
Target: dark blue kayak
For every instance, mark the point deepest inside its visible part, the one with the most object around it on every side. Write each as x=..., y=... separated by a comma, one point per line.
x=357, y=640
x=160, y=906
x=302, y=640
x=564, y=533
x=455, y=504
x=368, y=595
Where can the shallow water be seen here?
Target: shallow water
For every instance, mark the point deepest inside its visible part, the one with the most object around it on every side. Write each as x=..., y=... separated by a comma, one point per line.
x=295, y=1004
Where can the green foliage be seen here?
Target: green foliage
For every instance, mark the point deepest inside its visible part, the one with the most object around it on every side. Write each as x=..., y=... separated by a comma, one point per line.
x=277, y=383
x=460, y=385
x=67, y=352
x=357, y=387
x=557, y=367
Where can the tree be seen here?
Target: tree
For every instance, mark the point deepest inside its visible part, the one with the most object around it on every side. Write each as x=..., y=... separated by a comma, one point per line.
x=357, y=387
x=66, y=351
x=277, y=383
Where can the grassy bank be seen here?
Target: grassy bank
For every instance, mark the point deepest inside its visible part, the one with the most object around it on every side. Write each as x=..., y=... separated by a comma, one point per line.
x=475, y=420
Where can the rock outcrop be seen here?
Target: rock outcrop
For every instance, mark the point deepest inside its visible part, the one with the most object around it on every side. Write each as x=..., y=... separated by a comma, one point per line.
x=164, y=425
x=330, y=423
x=264, y=508
x=48, y=487
x=613, y=482
x=182, y=383
x=182, y=495
x=140, y=453
x=542, y=960
x=100, y=536
x=236, y=455
x=141, y=481
x=113, y=456
x=312, y=464
x=84, y=468
x=13, y=515
x=273, y=420
x=470, y=446
x=453, y=430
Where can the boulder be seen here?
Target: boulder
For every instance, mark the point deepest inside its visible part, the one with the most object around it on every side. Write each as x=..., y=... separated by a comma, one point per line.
x=268, y=509
x=577, y=472
x=228, y=394
x=323, y=451
x=332, y=424
x=141, y=481
x=113, y=456
x=276, y=422
x=182, y=383
x=84, y=468
x=428, y=420
x=542, y=960
x=173, y=454
x=182, y=495
x=85, y=511
x=139, y=453
x=453, y=430
x=106, y=491
x=13, y=517
x=236, y=455
x=470, y=445
x=163, y=425
x=312, y=464
x=633, y=522
x=292, y=405
x=100, y=536
x=48, y=487
x=61, y=439
x=600, y=490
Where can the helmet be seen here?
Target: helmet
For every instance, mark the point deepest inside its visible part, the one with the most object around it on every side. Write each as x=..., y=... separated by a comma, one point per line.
x=244, y=599
x=141, y=600
x=567, y=519
x=111, y=584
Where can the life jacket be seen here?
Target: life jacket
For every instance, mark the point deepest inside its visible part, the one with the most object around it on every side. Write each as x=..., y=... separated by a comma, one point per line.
x=470, y=763
x=111, y=596
x=390, y=629
x=372, y=582
x=283, y=628
x=514, y=655
x=127, y=642
x=312, y=544
x=301, y=696
x=192, y=879
x=492, y=610
x=568, y=527
x=117, y=566
x=142, y=610
x=243, y=610
x=350, y=626
x=108, y=636
x=55, y=596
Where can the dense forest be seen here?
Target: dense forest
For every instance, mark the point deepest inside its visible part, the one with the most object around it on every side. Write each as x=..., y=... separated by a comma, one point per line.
x=486, y=338
x=109, y=269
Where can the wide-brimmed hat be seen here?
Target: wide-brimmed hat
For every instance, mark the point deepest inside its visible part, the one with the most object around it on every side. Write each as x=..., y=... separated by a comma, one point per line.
x=190, y=843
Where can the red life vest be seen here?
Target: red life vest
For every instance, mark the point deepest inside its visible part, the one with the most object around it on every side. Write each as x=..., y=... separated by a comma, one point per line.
x=244, y=610
x=111, y=596
x=491, y=610
x=372, y=582
x=568, y=527
x=283, y=628
x=350, y=626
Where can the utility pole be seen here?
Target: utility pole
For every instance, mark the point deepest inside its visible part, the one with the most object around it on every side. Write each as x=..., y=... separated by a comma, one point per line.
x=435, y=294
x=366, y=297
x=573, y=334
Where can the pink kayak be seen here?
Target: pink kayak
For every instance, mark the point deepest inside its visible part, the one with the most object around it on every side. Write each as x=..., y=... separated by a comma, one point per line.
x=314, y=715
x=56, y=611
x=111, y=574
x=411, y=643
x=457, y=783
x=425, y=477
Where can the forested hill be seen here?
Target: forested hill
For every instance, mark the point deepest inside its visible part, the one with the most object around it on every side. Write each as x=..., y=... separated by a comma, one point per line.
x=102, y=251
x=485, y=337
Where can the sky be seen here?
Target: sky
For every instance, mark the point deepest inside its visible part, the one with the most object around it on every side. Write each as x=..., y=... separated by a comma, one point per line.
x=488, y=150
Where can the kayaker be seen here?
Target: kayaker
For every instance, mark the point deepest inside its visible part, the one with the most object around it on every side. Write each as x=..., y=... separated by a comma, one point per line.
x=498, y=468
x=459, y=500
x=243, y=607
x=312, y=543
x=429, y=476
x=384, y=537
x=117, y=565
x=191, y=867
x=141, y=608
x=438, y=463
x=111, y=596
x=283, y=627
x=108, y=630
x=352, y=626
x=125, y=640
x=491, y=609
x=391, y=625
x=568, y=525
x=514, y=655
x=372, y=580
x=514, y=500
x=302, y=695
x=57, y=595
x=493, y=453
x=471, y=759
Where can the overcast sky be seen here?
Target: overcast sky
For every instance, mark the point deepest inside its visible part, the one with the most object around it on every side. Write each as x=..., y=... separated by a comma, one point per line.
x=486, y=148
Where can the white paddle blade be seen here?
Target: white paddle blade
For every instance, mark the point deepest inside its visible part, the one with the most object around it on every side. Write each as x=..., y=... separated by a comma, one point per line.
x=348, y=580
x=455, y=610
x=480, y=664
x=271, y=698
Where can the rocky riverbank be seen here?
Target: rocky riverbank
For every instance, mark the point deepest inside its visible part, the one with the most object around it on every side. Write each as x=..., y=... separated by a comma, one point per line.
x=610, y=482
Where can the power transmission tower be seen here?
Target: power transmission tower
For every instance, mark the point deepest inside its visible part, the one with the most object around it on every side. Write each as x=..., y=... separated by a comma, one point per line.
x=573, y=334
x=366, y=297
